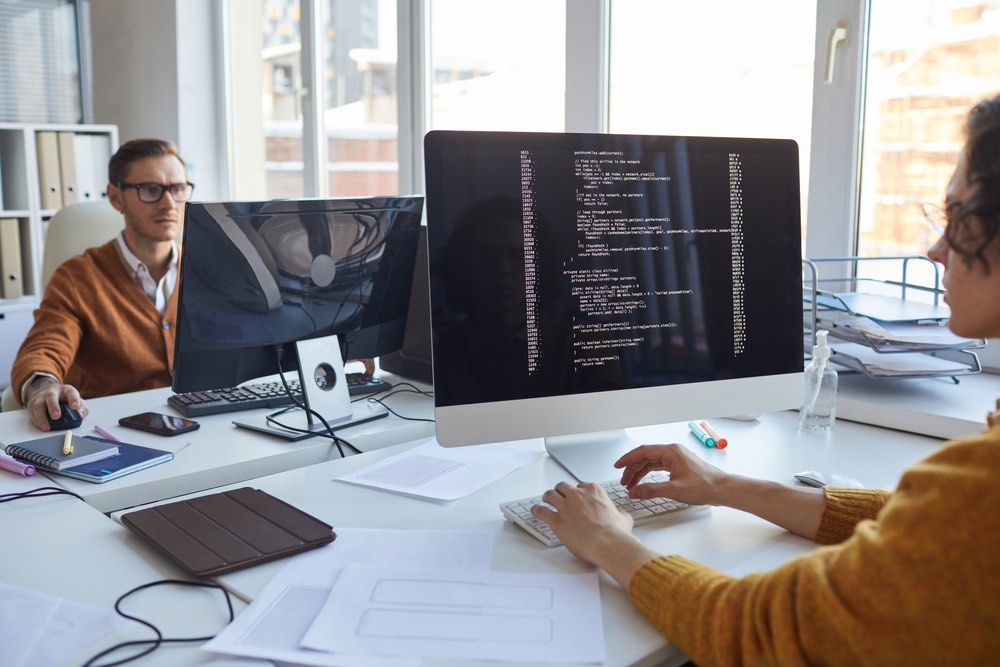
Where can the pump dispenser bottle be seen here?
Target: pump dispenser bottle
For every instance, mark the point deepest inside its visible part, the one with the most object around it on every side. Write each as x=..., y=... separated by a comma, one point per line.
x=819, y=408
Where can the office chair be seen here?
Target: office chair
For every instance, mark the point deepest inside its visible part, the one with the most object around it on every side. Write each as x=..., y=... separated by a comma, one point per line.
x=70, y=231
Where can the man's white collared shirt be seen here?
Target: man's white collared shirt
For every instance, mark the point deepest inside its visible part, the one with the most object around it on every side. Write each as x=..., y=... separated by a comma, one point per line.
x=158, y=292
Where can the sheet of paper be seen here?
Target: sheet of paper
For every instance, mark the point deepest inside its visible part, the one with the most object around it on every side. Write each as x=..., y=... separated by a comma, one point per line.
x=23, y=619
x=433, y=472
x=38, y=629
x=273, y=625
x=463, y=615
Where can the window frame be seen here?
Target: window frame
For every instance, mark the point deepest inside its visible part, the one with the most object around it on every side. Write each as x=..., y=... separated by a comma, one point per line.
x=838, y=104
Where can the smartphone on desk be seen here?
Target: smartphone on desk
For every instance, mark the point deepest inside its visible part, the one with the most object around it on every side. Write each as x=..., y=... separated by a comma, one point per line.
x=154, y=422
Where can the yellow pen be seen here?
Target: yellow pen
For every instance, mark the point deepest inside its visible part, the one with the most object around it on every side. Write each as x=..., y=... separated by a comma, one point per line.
x=68, y=443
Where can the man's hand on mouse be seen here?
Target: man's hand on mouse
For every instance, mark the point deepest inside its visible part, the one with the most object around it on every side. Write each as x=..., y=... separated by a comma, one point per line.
x=41, y=400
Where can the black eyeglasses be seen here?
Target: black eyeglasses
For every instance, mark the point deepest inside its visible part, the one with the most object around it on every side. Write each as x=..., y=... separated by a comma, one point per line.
x=150, y=193
x=939, y=217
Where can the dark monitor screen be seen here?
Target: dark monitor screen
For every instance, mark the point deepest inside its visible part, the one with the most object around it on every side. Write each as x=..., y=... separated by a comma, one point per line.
x=593, y=282
x=258, y=275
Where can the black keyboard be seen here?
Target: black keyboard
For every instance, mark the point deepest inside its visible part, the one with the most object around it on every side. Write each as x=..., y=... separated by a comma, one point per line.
x=260, y=395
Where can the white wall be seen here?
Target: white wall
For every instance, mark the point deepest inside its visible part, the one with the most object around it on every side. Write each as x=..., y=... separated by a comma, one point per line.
x=157, y=73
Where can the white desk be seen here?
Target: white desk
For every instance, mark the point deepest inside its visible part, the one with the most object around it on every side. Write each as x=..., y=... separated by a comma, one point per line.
x=771, y=448
x=219, y=453
x=929, y=406
x=65, y=547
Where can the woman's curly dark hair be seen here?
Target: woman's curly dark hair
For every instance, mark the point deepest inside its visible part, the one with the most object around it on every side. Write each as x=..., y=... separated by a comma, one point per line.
x=982, y=148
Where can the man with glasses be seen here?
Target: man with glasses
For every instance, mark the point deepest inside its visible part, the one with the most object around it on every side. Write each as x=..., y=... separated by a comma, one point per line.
x=106, y=322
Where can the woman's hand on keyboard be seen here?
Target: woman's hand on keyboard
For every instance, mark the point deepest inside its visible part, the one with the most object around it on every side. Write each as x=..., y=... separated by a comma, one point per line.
x=590, y=526
x=692, y=480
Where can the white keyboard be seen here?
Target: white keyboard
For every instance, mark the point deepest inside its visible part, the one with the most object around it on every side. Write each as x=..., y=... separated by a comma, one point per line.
x=642, y=511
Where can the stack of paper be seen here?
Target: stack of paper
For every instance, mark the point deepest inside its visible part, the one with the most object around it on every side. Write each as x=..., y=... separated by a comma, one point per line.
x=388, y=598
x=900, y=336
x=41, y=629
x=861, y=357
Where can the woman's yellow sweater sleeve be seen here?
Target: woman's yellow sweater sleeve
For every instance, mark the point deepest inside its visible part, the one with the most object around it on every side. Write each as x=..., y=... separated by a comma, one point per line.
x=918, y=585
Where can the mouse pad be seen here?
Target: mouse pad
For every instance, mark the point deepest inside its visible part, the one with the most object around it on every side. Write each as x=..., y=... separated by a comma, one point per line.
x=226, y=531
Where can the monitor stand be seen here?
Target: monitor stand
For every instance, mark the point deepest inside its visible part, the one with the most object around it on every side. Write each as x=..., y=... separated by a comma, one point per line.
x=324, y=391
x=590, y=457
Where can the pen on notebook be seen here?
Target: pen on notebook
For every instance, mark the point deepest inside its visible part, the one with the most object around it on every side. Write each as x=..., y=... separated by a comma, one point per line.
x=105, y=434
x=720, y=442
x=68, y=443
x=182, y=448
x=700, y=433
x=13, y=465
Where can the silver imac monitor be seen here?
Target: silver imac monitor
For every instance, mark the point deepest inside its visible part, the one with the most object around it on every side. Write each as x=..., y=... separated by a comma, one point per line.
x=582, y=284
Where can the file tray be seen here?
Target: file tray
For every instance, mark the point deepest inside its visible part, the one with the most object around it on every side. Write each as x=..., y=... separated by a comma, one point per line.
x=878, y=365
x=226, y=531
x=889, y=327
x=882, y=308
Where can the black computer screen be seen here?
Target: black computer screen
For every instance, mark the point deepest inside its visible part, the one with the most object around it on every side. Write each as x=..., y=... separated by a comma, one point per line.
x=574, y=263
x=256, y=276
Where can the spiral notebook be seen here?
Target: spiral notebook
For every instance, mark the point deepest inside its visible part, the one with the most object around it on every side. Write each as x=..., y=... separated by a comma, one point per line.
x=47, y=452
x=124, y=458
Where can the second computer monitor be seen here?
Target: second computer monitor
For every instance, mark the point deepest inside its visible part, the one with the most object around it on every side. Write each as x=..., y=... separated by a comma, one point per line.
x=585, y=283
x=257, y=277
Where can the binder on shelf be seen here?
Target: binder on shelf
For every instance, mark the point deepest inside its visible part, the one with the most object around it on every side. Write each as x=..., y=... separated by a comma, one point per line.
x=92, y=156
x=49, y=179
x=10, y=259
x=67, y=167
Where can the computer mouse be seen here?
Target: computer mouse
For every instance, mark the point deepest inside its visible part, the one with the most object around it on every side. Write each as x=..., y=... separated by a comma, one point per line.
x=821, y=479
x=68, y=418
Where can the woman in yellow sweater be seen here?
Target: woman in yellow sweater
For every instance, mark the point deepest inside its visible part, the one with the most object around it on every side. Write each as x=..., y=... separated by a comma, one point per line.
x=910, y=577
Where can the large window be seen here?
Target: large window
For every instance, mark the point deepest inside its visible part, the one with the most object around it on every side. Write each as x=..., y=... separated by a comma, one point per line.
x=929, y=62
x=714, y=68
x=329, y=97
x=498, y=66
x=907, y=73
x=873, y=92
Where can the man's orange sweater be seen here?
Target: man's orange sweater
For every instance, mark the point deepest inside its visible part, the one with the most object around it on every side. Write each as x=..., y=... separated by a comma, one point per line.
x=97, y=330
x=912, y=578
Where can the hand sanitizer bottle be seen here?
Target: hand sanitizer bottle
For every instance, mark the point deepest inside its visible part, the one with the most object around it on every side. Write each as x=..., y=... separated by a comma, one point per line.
x=820, y=407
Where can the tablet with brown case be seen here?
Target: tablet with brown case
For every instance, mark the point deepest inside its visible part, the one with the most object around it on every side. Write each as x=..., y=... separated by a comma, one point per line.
x=225, y=531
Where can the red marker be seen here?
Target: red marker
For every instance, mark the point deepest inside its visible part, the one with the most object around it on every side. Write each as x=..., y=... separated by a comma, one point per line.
x=720, y=442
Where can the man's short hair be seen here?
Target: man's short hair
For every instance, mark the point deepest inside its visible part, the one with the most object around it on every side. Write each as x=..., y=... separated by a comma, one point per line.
x=136, y=149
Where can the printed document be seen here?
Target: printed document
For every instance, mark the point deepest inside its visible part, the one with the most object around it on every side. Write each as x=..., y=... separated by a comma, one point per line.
x=433, y=472
x=462, y=615
x=273, y=625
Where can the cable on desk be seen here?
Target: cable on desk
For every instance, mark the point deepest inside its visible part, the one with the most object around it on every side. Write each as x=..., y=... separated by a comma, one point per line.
x=272, y=419
x=159, y=640
x=279, y=352
x=393, y=390
x=40, y=492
